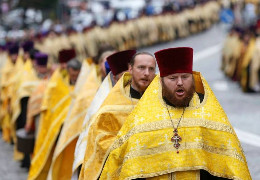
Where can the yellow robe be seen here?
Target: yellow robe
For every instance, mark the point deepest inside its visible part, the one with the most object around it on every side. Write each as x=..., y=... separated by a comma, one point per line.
x=226, y=52
x=26, y=81
x=8, y=75
x=255, y=67
x=143, y=147
x=62, y=161
x=99, y=98
x=235, y=46
x=54, y=108
x=245, y=63
x=3, y=58
x=35, y=102
x=104, y=127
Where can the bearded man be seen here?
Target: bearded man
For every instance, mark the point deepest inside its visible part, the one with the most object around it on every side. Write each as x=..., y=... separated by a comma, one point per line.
x=113, y=112
x=115, y=65
x=178, y=130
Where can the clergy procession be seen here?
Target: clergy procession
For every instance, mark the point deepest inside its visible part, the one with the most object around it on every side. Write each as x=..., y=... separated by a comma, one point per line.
x=240, y=56
x=241, y=59
x=94, y=104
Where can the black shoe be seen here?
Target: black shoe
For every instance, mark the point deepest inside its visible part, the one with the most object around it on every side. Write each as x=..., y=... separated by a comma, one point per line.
x=26, y=161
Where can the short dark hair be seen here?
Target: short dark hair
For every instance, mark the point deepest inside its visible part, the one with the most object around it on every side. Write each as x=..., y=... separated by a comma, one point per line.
x=32, y=53
x=132, y=61
x=103, y=48
x=74, y=64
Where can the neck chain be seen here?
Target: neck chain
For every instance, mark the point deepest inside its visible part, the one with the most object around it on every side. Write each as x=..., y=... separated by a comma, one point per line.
x=176, y=138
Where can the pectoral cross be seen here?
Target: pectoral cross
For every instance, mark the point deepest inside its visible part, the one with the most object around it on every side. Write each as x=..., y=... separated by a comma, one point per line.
x=176, y=139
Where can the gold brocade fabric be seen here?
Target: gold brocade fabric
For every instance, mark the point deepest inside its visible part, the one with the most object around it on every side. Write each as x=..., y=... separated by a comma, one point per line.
x=3, y=59
x=35, y=101
x=64, y=152
x=255, y=65
x=29, y=80
x=105, y=125
x=245, y=62
x=8, y=76
x=16, y=83
x=97, y=101
x=231, y=64
x=143, y=147
x=54, y=108
x=26, y=81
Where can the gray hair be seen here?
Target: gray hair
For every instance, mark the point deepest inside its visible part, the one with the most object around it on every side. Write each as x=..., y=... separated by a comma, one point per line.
x=74, y=64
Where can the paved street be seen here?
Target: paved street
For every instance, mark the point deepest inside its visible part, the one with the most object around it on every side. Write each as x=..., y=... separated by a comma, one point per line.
x=242, y=109
x=10, y=169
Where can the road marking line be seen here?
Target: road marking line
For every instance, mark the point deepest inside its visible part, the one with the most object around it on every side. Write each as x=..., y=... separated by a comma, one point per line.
x=248, y=138
x=220, y=86
x=207, y=52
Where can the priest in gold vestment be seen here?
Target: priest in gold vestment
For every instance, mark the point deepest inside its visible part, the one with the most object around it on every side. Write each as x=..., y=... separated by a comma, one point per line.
x=25, y=82
x=54, y=109
x=35, y=100
x=178, y=130
x=61, y=167
x=116, y=107
x=13, y=64
x=118, y=64
x=36, y=89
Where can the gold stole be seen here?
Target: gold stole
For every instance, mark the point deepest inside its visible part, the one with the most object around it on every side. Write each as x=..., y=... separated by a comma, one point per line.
x=100, y=96
x=245, y=62
x=64, y=151
x=54, y=108
x=143, y=147
x=26, y=81
x=104, y=127
x=7, y=73
x=236, y=54
x=35, y=102
x=255, y=65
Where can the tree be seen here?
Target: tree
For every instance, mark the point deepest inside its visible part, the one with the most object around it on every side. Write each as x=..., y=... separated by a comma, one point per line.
x=38, y=4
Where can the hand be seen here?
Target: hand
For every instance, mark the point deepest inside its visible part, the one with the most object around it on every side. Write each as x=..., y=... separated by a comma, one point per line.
x=27, y=127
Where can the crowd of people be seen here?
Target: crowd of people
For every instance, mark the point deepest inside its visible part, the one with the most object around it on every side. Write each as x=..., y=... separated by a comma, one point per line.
x=134, y=33
x=240, y=57
x=87, y=106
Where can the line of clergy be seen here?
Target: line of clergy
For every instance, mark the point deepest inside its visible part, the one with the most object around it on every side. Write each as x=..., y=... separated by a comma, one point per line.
x=132, y=34
x=241, y=57
x=116, y=119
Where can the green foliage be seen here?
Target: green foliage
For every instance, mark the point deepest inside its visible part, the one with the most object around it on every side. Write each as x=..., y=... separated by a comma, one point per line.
x=38, y=4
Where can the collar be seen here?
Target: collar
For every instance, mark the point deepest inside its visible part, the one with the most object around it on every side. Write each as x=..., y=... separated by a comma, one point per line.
x=134, y=93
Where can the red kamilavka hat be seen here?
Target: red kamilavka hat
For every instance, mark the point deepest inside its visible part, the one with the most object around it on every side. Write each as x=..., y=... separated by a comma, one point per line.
x=174, y=60
x=118, y=62
x=66, y=54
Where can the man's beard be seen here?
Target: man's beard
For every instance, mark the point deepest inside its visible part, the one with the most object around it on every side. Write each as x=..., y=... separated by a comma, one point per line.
x=171, y=97
x=140, y=88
